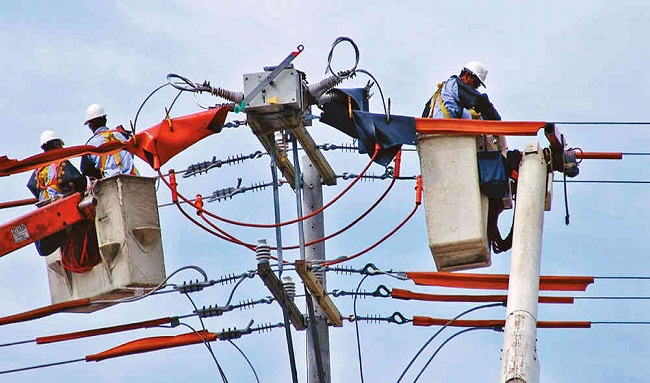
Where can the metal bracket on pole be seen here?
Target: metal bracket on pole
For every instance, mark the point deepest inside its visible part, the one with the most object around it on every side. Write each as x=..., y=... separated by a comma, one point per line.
x=275, y=287
x=317, y=291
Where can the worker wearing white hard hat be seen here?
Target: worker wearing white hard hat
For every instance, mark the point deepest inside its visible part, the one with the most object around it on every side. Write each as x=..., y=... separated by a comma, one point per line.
x=458, y=97
x=54, y=181
x=97, y=167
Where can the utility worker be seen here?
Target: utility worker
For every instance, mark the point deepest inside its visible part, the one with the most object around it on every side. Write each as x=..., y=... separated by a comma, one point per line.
x=51, y=182
x=458, y=96
x=97, y=167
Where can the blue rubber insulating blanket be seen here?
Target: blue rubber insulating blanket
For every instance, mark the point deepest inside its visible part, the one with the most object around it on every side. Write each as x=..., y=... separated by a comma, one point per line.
x=369, y=128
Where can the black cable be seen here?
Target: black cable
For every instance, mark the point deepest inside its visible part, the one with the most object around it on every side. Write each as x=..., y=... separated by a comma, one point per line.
x=207, y=344
x=444, y=343
x=356, y=326
x=287, y=333
x=613, y=298
x=624, y=277
x=235, y=288
x=440, y=330
x=622, y=322
x=353, y=70
x=605, y=181
x=601, y=123
x=135, y=120
x=246, y=358
x=173, y=102
x=635, y=154
x=315, y=340
x=346, y=73
x=41, y=366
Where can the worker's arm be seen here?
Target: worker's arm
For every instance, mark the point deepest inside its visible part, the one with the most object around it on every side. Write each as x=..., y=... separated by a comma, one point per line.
x=72, y=178
x=88, y=168
x=472, y=99
x=31, y=185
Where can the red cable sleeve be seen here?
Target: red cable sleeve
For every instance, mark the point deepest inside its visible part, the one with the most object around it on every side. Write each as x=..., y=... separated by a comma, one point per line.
x=599, y=155
x=428, y=321
x=496, y=281
x=172, y=186
x=152, y=344
x=348, y=258
x=44, y=311
x=20, y=202
x=408, y=295
x=102, y=331
x=398, y=164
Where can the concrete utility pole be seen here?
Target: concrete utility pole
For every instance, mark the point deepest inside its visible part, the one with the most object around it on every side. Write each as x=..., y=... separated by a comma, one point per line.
x=314, y=229
x=519, y=363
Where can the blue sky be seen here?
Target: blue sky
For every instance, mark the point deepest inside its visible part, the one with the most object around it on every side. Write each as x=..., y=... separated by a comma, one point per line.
x=547, y=61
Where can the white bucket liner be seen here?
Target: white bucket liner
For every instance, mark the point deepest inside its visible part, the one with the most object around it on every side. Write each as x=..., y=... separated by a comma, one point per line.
x=455, y=209
x=130, y=245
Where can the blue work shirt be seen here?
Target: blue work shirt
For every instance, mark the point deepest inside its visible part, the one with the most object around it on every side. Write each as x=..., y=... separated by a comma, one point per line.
x=451, y=100
x=112, y=166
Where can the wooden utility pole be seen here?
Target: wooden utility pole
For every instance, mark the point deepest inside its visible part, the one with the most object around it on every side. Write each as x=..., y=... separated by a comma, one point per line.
x=314, y=228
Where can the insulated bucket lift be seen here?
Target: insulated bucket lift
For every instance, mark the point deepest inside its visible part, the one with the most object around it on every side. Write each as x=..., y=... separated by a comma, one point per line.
x=455, y=209
x=130, y=246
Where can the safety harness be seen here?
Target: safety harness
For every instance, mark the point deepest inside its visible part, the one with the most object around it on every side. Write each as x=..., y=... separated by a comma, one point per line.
x=436, y=97
x=45, y=183
x=109, y=137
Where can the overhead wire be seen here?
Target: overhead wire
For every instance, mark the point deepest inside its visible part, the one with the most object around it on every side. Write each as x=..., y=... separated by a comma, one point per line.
x=135, y=120
x=321, y=209
x=601, y=122
x=417, y=354
x=207, y=344
x=348, y=226
x=379, y=242
x=158, y=287
x=352, y=71
x=257, y=378
x=605, y=181
x=356, y=327
x=444, y=343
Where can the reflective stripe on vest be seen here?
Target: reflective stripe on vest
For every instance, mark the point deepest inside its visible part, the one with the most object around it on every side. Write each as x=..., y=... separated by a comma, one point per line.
x=109, y=137
x=44, y=182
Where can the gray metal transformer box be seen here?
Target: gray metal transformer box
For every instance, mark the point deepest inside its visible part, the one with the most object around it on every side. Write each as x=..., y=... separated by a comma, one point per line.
x=280, y=105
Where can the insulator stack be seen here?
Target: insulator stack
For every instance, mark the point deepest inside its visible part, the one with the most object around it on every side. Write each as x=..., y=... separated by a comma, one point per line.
x=320, y=274
x=233, y=96
x=317, y=90
x=227, y=279
x=265, y=327
x=281, y=142
x=247, y=304
x=331, y=97
x=262, y=251
x=289, y=287
x=345, y=270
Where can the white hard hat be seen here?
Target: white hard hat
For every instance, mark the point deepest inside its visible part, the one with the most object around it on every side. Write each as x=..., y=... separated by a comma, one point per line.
x=477, y=69
x=49, y=135
x=94, y=111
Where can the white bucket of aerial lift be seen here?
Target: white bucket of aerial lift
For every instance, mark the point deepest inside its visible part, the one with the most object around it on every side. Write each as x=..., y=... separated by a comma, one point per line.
x=455, y=210
x=130, y=245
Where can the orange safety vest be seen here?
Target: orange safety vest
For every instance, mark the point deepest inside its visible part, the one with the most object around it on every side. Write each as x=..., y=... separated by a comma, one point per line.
x=47, y=181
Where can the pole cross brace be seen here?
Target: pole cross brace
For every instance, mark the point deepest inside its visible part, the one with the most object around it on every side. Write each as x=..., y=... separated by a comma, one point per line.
x=318, y=292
